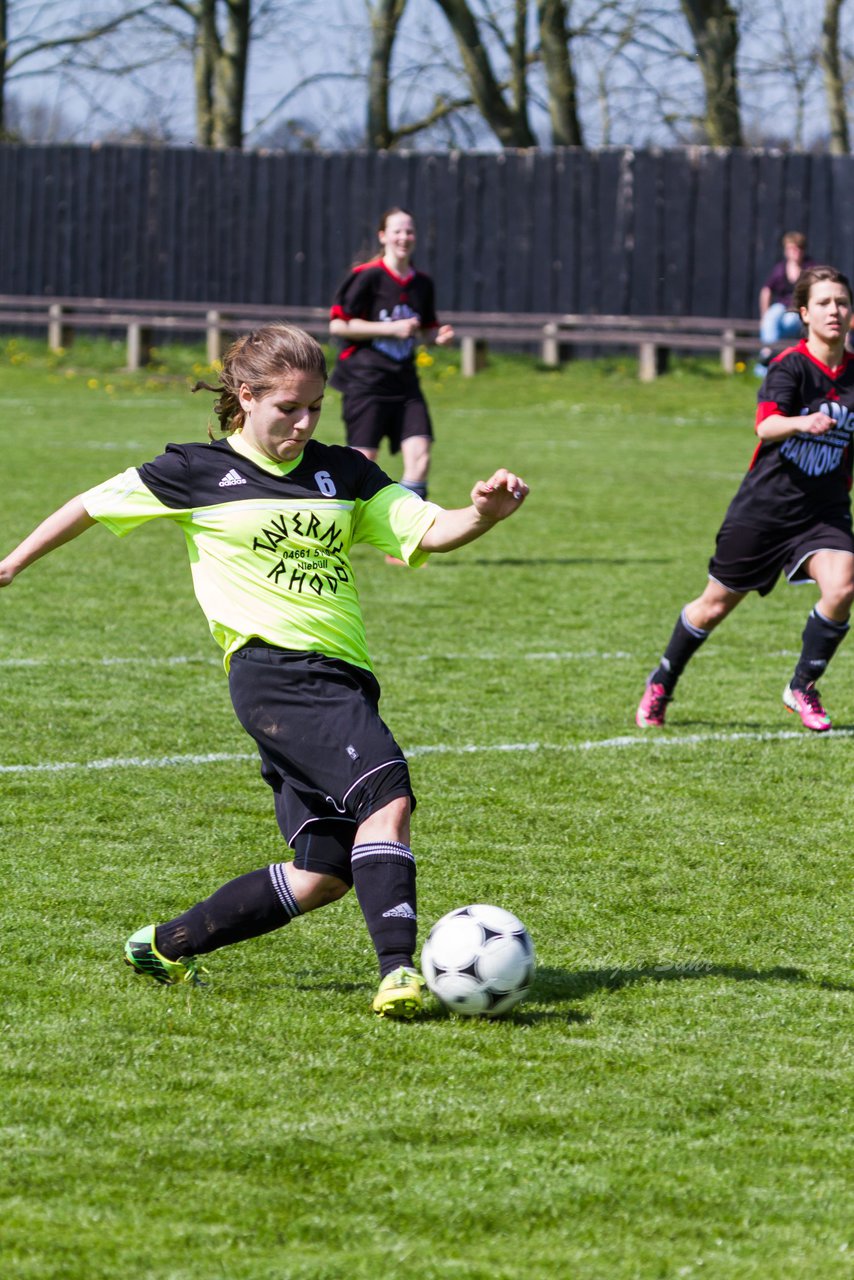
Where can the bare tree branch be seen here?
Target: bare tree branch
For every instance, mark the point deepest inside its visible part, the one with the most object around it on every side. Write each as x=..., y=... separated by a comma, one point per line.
x=35, y=44
x=510, y=124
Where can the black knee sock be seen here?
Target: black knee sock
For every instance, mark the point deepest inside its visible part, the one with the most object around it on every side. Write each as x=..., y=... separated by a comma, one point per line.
x=683, y=644
x=416, y=486
x=384, y=880
x=821, y=638
x=244, y=908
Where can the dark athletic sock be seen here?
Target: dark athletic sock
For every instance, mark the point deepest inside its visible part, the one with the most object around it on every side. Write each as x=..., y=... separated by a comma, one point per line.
x=244, y=908
x=821, y=638
x=384, y=880
x=683, y=644
x=416, y=486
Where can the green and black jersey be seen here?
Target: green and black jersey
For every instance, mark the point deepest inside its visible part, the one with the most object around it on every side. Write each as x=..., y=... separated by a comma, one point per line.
x=269, y=543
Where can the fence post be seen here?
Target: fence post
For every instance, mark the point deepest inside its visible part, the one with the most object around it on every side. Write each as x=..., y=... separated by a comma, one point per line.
x=59, y=335
x=550, y=351
x=648, y=362
x=139, y=345
x=213, y=319
x=472, y=355
x=728, y=350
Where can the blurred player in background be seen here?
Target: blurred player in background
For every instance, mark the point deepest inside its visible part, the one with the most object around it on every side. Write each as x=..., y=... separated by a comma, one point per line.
x=270, y=516
x=778, y=318
x=381, y=311
x=792, y=513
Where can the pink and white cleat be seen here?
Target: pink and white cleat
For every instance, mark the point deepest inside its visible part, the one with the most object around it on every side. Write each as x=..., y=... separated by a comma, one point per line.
x=807, y=704
x=653, y=707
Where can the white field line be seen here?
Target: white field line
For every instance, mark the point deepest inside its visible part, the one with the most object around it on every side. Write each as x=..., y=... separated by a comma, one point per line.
x=85, y=661
x=647, y=741
x=204, y=660
x=548, y=656
x=130, y=762
x=187, y=660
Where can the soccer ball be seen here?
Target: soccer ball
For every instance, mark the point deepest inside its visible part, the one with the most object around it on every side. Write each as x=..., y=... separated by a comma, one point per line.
x=478, y=960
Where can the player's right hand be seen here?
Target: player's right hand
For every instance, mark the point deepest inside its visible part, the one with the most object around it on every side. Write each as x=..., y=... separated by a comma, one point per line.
x=407, y=327
x=815, y=424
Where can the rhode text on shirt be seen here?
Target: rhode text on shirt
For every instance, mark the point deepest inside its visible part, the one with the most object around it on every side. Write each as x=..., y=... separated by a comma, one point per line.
x=315, y=567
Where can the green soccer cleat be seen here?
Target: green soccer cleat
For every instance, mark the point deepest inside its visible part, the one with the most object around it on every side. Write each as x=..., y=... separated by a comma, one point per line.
x=142, y=956
x=399, y=995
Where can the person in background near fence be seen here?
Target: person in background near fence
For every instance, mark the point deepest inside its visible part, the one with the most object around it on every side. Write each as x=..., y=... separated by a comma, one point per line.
x=270, y=516
x=792, y=512
x=777, y=318
x=380, y=312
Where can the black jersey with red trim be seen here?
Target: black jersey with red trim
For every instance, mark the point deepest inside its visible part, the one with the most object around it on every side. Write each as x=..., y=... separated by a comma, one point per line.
x=792, y=480
x=381, y=366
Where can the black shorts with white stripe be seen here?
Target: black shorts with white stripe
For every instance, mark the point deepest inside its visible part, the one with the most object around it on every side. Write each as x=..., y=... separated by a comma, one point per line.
x=325, y=751
x=752, y=559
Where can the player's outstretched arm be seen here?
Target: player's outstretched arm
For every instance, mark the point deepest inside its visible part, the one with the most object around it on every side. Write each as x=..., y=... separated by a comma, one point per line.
x=777, y=427
x=492, y=500
x=361, y=330
x=66, y=523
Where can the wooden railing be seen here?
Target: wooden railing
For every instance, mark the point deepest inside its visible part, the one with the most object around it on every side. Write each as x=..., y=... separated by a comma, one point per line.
x=652, y=338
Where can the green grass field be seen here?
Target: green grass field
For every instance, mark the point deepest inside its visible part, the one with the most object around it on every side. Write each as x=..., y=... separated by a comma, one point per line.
x=674, y=1100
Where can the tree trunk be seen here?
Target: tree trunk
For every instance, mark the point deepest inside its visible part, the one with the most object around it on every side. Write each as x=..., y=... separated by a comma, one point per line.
x=714, y=26
x=229, y=85
x=834, y=84
x=4, y=50
x=560, y=74
x=204, y=61
x=509, y=124
x=519, y=62
x=385, y=19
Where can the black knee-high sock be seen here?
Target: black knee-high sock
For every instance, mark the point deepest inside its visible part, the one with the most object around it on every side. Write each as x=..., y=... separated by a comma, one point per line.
x=821, y=638
x=244, y=908
x=681, y=647
x=416, y=486
x=384, y=880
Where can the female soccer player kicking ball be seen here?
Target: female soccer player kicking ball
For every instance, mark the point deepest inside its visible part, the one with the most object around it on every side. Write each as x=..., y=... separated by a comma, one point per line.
x=270, y=516
x=792, y=513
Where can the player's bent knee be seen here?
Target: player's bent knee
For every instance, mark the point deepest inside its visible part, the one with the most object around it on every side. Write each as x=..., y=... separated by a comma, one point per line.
x=313, y=889
x=721, y=607
x=328, y=889
x=838, y=598
x=707, y=616
x=390, y=822
x=331, y=889
x=383, y=796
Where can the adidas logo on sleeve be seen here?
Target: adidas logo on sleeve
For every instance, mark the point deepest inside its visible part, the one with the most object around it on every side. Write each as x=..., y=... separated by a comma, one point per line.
x=231, y=478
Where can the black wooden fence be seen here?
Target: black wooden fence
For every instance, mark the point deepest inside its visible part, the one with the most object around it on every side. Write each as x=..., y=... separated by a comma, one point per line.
x=689, y=232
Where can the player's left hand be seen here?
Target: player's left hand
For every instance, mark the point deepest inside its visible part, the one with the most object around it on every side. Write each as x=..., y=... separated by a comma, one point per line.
x=499, y=496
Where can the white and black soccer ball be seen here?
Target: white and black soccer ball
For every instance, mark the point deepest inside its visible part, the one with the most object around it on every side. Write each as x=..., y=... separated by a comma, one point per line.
x=479, y=960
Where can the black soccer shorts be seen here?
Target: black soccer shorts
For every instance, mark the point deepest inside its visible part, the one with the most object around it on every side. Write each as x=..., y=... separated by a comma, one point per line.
x=748, y=559
x=325, y=751
x=370, y=419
